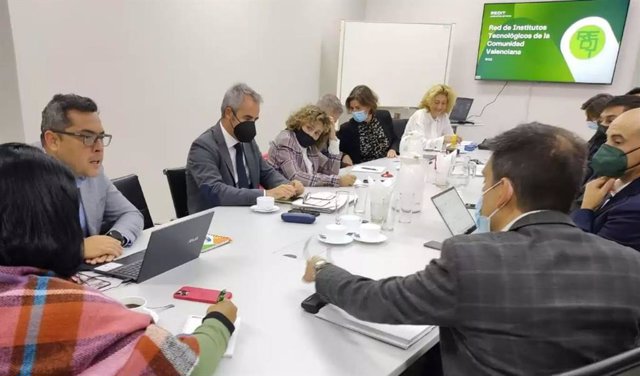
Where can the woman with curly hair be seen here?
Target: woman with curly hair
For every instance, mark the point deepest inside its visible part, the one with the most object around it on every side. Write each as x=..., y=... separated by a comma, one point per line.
x=295, y=152
x=432, y=117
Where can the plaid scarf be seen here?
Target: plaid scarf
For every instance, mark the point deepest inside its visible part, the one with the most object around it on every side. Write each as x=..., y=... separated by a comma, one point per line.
x=52, y=326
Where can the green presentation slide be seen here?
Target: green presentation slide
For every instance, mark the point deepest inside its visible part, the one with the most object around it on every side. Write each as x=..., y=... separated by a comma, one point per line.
x=554, y=41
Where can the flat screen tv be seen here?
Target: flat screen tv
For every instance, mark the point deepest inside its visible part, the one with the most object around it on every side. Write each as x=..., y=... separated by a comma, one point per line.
x=552, y=41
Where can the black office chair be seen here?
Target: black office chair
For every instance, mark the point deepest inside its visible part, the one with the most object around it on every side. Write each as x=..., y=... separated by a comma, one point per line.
x=398, y=127
x=130, y=188
x=177, y=179
x=625, y=364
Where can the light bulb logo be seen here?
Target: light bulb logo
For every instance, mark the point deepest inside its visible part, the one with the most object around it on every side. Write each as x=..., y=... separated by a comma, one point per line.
x=587, y=42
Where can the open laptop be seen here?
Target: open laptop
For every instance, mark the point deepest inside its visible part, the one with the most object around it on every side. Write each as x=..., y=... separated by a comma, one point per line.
x=461, y=110
x=170, y=246
x=453, y=211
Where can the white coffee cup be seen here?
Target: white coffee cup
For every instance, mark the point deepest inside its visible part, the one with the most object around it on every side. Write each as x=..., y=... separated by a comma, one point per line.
x=265, y=202
x=135, y=303
x=351, y=222
x=335, y=232
x=369, y=231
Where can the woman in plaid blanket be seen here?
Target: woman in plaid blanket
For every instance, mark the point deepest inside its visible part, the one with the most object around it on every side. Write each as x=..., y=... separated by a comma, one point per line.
x=296, y=154
x=51, y=325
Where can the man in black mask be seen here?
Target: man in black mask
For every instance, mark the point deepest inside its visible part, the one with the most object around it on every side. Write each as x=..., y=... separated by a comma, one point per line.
x=611, y=205
x=225, y=166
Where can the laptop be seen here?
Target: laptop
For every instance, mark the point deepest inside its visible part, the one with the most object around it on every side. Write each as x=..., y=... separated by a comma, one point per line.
x=461, y=110
x=170, y=246
x=454, y=212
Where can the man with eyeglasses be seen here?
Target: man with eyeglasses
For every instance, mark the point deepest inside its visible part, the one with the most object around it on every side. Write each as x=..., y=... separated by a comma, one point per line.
x=71, y=131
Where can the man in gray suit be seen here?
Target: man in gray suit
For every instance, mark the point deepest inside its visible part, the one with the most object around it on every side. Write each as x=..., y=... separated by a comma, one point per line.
x=71, y=131
x=225, y=166
x=533, y=295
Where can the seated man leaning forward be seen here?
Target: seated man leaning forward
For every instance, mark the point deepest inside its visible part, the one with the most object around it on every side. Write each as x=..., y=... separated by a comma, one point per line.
x=225, y=166
x=531, y=292
x=71, y=132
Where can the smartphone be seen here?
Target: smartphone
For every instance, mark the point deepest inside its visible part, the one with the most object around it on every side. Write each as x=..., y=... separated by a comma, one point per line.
x=433, y=245
x=305, y=211
x=197, y=294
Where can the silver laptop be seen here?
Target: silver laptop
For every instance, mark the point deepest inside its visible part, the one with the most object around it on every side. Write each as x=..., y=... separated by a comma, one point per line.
x=453, y=211
x=170, y=246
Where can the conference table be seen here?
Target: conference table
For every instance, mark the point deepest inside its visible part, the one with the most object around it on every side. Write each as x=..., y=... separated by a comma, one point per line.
x=263, y=267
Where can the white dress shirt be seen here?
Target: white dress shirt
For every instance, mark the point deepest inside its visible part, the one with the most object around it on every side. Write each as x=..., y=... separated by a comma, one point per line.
x=508, y=227
x=231, y=142
x=432, y=128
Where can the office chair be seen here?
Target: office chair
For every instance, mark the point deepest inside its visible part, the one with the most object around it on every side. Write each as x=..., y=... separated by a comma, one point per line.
x=130, y=188
x=177, y=179
x=625, y=364
x=398, y=127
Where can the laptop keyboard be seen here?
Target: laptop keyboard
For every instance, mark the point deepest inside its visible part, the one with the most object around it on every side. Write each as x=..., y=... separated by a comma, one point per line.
x=131, y=270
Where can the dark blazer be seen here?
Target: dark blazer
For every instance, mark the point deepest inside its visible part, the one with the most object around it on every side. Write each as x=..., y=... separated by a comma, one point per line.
x=541, y=298
x=350, y=138
x=209, y=173
x=617, y=220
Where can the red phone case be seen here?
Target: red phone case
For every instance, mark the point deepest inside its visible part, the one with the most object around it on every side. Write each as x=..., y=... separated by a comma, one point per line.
x=197, y=294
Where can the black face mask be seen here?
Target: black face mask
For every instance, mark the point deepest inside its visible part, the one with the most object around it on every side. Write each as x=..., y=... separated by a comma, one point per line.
x=245, y=131
x=303, y=138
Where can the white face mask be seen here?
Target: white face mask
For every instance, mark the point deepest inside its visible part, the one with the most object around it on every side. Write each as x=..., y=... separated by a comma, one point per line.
x=592, y=125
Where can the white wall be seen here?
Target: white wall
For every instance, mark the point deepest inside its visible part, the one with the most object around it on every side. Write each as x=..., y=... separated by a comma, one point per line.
x=557, y=104
x=10, y=114
x=158, y=69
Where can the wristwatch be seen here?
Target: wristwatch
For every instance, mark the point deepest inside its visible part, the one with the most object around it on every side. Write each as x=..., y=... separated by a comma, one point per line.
x=117, y=236
x=319, y=265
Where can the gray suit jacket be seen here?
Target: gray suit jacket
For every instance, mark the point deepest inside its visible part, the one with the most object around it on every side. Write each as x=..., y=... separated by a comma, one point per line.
x=539, y=299
x=209, y=173
x=106, y=209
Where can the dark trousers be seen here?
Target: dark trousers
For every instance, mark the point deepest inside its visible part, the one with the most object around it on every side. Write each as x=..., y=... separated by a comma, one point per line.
x=429, y=364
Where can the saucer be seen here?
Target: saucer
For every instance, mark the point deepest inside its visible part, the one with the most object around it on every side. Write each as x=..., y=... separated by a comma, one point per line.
x=379, y=239
x=346, y=239
x=274, y=209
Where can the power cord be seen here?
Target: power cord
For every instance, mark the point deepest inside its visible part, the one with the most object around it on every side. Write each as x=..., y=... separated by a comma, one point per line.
x=490, y=103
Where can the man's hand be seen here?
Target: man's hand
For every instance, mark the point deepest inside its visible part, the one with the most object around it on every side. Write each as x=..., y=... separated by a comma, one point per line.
x=347, y=180
x=227, y=308
x=298, y=186
x=596, y=191
x=391, y=153
x=310, y=271
x=346, y=159
x=282, y=192
x=332, y=132
x=101, y=248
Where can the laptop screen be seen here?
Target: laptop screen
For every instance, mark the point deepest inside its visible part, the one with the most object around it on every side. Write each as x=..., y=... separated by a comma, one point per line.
x=460, y=110
x=453, y=212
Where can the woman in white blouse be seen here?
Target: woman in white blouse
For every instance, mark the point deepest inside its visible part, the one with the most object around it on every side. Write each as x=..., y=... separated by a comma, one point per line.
x=432, y=118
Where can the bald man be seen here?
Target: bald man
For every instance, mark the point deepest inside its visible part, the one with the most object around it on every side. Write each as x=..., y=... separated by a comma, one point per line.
x=611, y=205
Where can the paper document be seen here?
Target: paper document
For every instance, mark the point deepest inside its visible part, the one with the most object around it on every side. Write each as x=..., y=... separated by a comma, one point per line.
x=402, y=336
x=324, y=202
x=194, y=321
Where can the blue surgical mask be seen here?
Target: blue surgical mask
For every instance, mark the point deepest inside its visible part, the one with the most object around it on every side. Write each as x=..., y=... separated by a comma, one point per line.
x=483, y=224
x=592, y=125
x=359, y=116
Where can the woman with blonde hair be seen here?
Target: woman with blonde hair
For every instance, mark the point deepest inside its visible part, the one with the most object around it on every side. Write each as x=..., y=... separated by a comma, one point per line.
x=295, y=152
x=432, y=118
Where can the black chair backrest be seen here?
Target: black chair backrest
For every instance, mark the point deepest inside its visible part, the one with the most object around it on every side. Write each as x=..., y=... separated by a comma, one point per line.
x=625, y=364
x=177, y=179
x=398, y=127
x=130, y=188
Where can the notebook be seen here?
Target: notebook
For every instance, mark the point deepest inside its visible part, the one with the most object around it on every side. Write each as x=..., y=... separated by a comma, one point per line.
x=213, y=241
x=402, y=336
x=323, y=202
x=194, y=321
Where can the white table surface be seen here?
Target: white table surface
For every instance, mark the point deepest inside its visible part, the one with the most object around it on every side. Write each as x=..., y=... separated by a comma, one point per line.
x=276, y=336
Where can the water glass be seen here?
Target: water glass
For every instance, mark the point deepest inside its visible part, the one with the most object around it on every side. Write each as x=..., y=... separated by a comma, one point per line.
x=362, y=191
x=406, y=203
x=341, y=197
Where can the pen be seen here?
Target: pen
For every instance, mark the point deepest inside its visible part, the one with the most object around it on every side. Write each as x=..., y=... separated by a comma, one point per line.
x=368, y=168
x=221, y=296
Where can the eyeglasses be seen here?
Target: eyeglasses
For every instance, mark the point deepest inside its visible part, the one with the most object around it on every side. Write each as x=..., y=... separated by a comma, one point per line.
x=89, y=139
